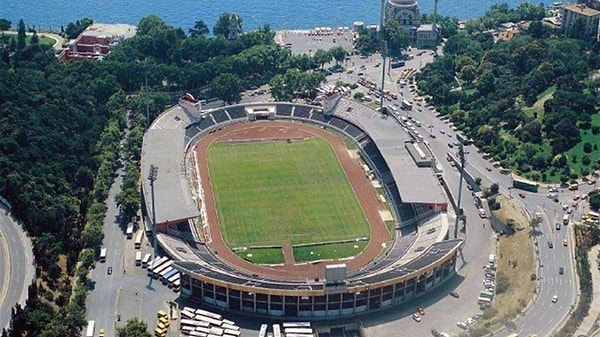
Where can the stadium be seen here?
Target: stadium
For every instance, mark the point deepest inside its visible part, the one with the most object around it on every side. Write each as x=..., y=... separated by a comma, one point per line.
x=245, y=242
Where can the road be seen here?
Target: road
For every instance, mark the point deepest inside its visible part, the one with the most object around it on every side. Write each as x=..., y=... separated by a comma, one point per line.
x=18, y=270
x=126, y=292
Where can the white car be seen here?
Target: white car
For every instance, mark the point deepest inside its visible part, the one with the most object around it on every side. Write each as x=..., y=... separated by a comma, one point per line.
x=462, y=325
x=416, y=317
x=554, y=298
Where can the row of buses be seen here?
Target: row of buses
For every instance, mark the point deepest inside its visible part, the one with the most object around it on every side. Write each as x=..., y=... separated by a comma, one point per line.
x=202, y=323
x=287, y=329
x=162, y=269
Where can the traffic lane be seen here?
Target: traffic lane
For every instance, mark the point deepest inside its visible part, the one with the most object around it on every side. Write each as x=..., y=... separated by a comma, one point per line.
x=16, y=262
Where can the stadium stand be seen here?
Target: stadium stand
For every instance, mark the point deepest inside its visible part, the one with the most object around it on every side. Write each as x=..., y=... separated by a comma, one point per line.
x=220, y=116
x=302, y=112
x=284, y=109
x=236, y=112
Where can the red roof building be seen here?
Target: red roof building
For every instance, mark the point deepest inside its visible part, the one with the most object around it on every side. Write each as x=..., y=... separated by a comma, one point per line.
x=96, y=41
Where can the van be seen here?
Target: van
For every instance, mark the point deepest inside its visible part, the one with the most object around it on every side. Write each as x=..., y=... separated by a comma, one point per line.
x=481, y=213
x=565, y=219
x=573, y=186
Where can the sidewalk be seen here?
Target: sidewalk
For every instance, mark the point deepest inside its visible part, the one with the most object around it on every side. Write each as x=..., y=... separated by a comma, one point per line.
x=589, y=321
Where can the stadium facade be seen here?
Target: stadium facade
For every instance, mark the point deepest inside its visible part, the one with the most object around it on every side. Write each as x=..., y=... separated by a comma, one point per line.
x=420, y=258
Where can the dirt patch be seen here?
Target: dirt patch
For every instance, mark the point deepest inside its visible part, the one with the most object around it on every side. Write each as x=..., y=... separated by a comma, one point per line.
x=516, y=263
x=275, y=130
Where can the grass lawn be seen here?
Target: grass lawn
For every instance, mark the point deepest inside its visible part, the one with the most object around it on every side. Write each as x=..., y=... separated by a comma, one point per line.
x=269, y=193
x=538, y=106
x=262, y=255
x=331, y=251
x=577, y=151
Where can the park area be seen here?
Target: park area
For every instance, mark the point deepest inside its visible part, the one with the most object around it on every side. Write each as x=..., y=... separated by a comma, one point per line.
x=274, y=193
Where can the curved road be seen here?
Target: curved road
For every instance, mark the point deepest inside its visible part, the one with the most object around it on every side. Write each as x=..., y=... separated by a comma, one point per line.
x=17, y=267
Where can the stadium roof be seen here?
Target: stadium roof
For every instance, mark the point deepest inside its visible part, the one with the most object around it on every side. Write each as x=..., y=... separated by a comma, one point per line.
x=165, y=149
x=415, y=184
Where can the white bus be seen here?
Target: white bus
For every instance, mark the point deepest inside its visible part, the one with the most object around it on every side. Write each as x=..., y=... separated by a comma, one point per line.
x=173, y=278
x=165, y=278
x=156, y=264
x=209, y=314
x=102, y=255
x=185, y=314
x=406, y=105
x=194, y=323
x=89, y=332
x=276, y=330
x=263, y=330
x=138, y=240
x=231, y=332
x=138, y=258
x=146, y=260
x=176, y=285
x=593, y=215
x=156, y=272
x=300, y=331
x=213, y=321
x=296, y=325
x=130, y=230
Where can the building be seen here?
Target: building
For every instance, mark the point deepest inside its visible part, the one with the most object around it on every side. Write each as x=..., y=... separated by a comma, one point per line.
x=590, y=17
x=407, y=13
x=96, y=41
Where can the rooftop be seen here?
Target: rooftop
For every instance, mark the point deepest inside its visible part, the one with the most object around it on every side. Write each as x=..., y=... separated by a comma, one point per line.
x=110, y=30
x=581, y=9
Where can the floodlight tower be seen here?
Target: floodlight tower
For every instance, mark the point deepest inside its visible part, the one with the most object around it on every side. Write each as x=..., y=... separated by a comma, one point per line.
x=152, y=175
x=383, y=45
x=462, y=158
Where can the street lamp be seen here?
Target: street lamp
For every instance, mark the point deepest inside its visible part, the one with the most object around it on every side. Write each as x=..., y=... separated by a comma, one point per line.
x=461, y=157
x=152, y=177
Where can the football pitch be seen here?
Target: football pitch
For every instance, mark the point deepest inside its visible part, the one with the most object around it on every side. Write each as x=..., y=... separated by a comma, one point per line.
x=270, y=193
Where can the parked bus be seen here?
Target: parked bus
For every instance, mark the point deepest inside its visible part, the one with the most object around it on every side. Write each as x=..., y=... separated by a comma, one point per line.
x=102, y=255
x=231, y=332
x=263, y=330
x=186, y=314
x=593, y=215
x=89, y=332
x=130, y=230
x=194, y=323
x=397, y=64
x=157, y=263
x=525, y=185
x=173, y=278
x=165, y=278
x=298, y=330
x=406, y=105
x=146, y=260
x=214, y=321
x=208, y=314
x=138, y=258
x=276, y=330
x=296, y=325
x=177, y=285
x=138, y=240
x=156, y=272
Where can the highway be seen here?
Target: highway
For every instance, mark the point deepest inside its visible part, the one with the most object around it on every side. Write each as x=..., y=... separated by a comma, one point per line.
x=543, y=316
x=17, y=265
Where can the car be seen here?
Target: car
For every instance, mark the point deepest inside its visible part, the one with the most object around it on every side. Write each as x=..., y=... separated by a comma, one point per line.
x=450, y=145
x=421, y=311
x=416, y=317
x=565, y=242
x=101, y=333
x=454, y=294
x=565, y=207
x=109, y=271
x=576, y=197
x=442, y=132
x=462, y=325
x=433, y=135
x=550, y=245
x=522, y=195
x=488, y=168
x=435, y=333
x=561, y=270
x=569, y=210
x=557, y=226
x=554, y=298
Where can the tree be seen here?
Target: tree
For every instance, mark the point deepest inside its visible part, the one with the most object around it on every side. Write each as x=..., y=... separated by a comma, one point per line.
x=594, y=199
x=397, y=38
x=221, y=27
x=338, y=53
x=4, y=25
x=134, y=328
x=320, y=57
x=227, y=87
x=200, y=29
x=21, y=35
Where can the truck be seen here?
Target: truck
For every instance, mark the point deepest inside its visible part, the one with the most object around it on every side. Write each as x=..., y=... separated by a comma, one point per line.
x=91, y=327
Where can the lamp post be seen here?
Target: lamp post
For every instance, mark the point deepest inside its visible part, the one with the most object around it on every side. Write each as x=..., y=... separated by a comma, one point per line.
x=461, y=157
x=152, y=177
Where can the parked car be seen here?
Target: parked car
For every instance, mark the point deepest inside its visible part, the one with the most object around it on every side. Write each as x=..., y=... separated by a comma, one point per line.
x=557, y=226
x=109, y=271
x=561, y=270
x=435, y=333
x=416, y=317
x=550, y=245
x=421, y=311
x=454, y=294
x=461, y=325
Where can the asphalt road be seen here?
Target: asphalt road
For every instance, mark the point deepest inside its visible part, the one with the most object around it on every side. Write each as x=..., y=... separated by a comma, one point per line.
x=127, y=291
x=17, y=269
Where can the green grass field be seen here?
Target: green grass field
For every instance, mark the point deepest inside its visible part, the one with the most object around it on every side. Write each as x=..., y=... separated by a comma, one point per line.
x=273, y=192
